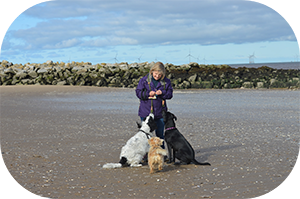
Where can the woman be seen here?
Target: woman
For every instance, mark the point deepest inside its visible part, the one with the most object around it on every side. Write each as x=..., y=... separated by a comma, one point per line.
x=153, y=90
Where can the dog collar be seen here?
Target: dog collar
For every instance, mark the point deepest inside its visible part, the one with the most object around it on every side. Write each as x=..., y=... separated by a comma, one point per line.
x=147, y=134
x=170, y=128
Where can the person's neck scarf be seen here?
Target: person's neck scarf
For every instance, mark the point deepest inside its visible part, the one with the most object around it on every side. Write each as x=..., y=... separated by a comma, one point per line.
x=155, y=82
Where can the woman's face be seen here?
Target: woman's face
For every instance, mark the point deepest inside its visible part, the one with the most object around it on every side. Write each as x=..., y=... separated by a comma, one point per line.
x=156, y=75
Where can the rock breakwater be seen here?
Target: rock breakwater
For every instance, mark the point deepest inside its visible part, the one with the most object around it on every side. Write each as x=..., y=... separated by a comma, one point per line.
x=184, y=76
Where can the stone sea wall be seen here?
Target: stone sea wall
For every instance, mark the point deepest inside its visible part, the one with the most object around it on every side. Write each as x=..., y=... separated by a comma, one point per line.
x=184, y=76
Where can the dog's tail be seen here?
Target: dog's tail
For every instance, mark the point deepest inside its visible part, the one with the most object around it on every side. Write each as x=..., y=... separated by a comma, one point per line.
x=200, y=163
x=112, y=165
x=121, y=163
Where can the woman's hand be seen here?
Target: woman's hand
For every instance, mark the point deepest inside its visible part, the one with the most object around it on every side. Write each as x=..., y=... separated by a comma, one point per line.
x=158, y=92
x=152, y=93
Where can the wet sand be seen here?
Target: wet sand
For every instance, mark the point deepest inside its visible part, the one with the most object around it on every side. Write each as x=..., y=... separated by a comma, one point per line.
x=54, y=141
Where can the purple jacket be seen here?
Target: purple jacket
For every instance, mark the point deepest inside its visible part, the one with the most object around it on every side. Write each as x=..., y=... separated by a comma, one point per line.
x=142, y=92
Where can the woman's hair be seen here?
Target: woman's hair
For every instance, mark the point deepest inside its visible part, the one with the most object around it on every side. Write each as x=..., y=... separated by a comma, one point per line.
x=158, y=66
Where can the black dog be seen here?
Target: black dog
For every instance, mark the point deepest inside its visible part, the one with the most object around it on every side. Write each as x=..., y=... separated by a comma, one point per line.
x=182, y=150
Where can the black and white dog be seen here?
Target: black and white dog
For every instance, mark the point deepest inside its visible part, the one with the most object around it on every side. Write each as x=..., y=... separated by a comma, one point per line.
x=137, y=146
x=176, y=142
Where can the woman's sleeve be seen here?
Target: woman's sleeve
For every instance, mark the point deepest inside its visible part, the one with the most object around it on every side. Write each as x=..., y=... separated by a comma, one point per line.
x=168, y=92
x=141, y=92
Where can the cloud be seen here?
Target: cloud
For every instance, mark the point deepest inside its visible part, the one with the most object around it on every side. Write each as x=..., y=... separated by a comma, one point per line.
x=63, y=44
x=91, y=24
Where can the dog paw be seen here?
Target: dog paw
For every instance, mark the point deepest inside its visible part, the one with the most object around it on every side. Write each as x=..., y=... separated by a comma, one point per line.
x=136, y=165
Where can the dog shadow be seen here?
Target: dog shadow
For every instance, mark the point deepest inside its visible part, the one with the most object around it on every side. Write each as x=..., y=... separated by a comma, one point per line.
x=210, y=151
x=172, y=167
x=207, y=152
x=167, y=167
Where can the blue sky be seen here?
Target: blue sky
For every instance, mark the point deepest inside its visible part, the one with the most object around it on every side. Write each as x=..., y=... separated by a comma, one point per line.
x=211, y=31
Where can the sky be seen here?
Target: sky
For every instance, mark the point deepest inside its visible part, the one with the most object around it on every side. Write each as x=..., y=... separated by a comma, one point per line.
x=171, y=31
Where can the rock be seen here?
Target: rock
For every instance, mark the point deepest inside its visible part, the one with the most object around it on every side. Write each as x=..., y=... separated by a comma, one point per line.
x=49, y=62
x=93, y=75
x=185, y=66
x=61, y=83
x=32, y=74
x=170, y=76
x=9, y=70
x=76, y=68
x=272, y=81
x=193, y=64
x=14, y=81
x=82, y=71
x=58, y=69
x=124, y=66
x=101, y=82
x=114, y=69
x=3, y=76
x=80, y=82
x=260, y=84
x=106, y=71
x=226, y=85
x=21, y=75
x=5, y=63
x=193, y=78
x=29, y=68
x=42, y=70
x=134, y=65
x=7, y=82
x=127, y=75
x=248, y=84
x=186, y=84
x=206, y=84
x=25, y=81
x=196, y=85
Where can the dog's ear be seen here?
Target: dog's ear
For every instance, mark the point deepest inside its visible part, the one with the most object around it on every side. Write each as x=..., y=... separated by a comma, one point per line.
x=174, y=116
x=150, y=119
x=139, y=125
x=152, y=124
x=165, y=118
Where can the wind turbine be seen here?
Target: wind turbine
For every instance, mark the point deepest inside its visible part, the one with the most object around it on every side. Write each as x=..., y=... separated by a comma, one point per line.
x=198, y=58
x=204, y=60
x=116, y=60
x=251, y=58
x=140, y=58
x=189, y=55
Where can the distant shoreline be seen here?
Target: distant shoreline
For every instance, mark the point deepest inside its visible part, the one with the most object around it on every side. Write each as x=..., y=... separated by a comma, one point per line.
x=276, y=65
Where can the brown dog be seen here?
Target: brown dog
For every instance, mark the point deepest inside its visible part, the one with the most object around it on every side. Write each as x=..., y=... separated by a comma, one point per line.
x=156, y=154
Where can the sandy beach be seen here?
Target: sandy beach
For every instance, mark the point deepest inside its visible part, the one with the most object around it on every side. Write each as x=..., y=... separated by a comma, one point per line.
x=55, y=139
